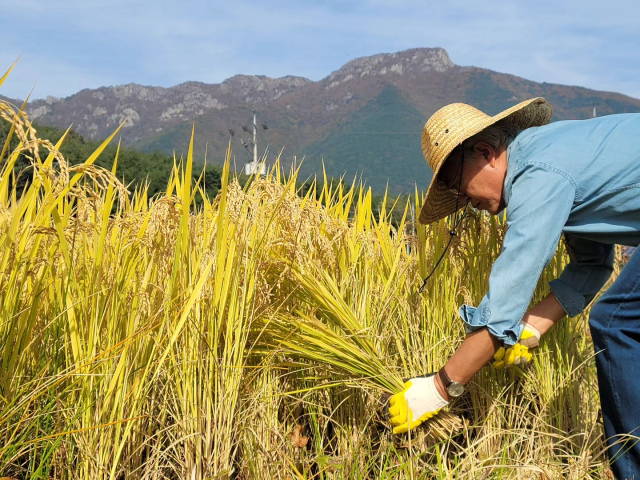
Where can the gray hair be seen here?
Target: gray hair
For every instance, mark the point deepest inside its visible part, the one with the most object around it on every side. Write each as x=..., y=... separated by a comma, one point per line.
x=498, y=135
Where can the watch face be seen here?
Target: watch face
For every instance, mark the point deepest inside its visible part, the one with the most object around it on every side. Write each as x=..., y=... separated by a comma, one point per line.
x=455, y=389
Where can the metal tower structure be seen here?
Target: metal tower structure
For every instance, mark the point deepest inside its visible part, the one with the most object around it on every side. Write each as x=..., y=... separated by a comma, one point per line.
x=254, y=168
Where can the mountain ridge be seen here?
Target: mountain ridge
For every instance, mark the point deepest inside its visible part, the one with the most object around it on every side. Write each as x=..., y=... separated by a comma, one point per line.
x=310, y=118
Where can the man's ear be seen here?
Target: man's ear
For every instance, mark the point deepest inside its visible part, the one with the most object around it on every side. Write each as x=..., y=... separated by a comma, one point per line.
x=485, y=150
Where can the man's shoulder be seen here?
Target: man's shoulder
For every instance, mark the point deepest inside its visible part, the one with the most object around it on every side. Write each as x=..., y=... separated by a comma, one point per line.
x=563, y=128
x=565, y=137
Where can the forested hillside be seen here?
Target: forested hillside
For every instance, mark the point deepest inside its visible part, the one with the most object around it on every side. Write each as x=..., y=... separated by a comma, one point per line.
x=134, y=167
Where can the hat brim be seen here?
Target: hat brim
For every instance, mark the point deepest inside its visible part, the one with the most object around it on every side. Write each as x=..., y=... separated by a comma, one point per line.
x=440, y=202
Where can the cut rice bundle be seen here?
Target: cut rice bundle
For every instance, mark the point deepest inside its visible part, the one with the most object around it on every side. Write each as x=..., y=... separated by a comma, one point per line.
x=324, y=329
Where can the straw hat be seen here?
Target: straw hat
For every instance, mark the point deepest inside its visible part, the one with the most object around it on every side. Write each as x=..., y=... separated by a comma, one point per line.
x=449, y=127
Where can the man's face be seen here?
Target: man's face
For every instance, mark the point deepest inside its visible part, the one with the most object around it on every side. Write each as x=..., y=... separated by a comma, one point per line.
x=482, y=179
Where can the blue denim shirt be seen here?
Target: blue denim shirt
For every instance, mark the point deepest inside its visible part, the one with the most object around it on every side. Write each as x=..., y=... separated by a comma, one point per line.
x=580, y=178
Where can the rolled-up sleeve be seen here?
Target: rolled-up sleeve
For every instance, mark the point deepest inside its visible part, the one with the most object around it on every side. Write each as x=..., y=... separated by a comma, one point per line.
x=590, y=267
x=539, y=205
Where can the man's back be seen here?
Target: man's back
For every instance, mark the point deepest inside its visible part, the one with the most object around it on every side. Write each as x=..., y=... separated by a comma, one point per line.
x=600, y=157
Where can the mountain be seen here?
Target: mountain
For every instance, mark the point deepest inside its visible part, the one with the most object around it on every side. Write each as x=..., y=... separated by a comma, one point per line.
x=384, y=133
x=365, y=118
x=13, y=101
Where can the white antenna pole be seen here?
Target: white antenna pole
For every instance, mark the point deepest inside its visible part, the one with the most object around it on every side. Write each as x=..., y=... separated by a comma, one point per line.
x=594, y=111
x=255, y=145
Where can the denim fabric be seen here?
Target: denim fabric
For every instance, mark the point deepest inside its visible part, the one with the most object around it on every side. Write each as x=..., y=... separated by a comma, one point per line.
x=579, y=178
x=590, y=268
x=615, y=329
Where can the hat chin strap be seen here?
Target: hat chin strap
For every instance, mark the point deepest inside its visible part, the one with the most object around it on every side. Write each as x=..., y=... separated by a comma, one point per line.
x=453, y=232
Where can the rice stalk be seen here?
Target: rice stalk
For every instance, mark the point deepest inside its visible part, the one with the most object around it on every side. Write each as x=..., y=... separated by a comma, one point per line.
x=253, y=336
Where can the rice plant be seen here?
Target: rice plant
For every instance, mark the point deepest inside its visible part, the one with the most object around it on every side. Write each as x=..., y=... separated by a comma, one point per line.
x=255, y=334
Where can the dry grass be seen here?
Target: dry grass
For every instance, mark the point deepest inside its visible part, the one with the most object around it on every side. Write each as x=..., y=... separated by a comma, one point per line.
x=254, y=336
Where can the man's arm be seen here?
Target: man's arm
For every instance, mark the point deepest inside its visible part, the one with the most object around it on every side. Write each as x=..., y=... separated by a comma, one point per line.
x=545, y=314
x=590, y=267
x=479, y=347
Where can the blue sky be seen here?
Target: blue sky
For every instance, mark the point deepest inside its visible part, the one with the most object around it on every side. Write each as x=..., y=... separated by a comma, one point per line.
x=68, y=45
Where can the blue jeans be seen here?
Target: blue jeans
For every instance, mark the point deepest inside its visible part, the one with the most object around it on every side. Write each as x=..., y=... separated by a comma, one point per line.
x=615, y=329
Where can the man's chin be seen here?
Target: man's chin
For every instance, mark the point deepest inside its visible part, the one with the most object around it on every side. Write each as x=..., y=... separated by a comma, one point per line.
x=495, y=210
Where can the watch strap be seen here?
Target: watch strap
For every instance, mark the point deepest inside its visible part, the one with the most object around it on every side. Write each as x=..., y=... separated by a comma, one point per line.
x=446, y=381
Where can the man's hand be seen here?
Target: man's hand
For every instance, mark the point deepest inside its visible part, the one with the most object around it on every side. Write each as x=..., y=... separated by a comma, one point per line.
x=418, y=402
x=518, y=354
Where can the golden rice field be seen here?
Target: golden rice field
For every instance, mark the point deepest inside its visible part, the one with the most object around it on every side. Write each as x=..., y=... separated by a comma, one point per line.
x=252, y=337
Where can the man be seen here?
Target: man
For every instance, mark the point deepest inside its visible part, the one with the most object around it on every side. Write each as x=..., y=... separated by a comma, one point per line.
x=577, y=178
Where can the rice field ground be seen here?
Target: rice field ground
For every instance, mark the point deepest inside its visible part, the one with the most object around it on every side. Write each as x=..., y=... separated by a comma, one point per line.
x=253, y=336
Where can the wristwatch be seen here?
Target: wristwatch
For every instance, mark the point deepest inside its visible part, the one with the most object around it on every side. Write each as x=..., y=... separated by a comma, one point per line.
x=454, y=389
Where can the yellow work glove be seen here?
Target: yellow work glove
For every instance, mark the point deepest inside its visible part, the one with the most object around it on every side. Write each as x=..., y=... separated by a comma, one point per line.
x=419, y=401
x=518, y=354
